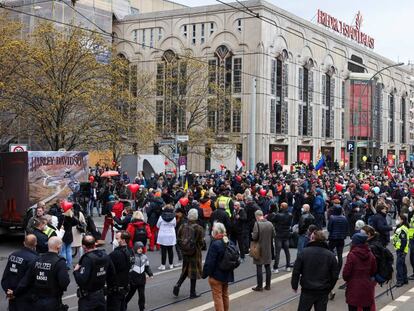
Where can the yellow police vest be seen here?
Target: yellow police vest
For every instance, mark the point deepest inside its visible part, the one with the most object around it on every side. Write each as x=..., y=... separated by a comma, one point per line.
x=396, y=240
x=411, y=229
x=48, y=231
x=226, y=201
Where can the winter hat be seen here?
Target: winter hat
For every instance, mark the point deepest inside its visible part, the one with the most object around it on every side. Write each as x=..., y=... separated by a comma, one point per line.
x=359, y=238
x=138, y=245
x=111, y=197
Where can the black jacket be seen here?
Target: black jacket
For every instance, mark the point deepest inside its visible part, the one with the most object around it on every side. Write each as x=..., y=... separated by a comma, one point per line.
x=304, y=222
x=17, y=265
x=282, y=222
x=122, y=258
x=68, y=223
x=122, y=224
x=379, y=223
x=154, y=210
x=42, y=239
x=239, y=223
x=220, y=215
x=316, y=268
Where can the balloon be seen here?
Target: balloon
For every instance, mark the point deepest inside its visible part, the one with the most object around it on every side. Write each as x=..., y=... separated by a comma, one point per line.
x=238, y=178
x=339, y=187
x=133, y=188
x=165, y=162
x=394, y=156
x=341, y=163
x=174, y=170
x=365, y=187
x=222, y=166
x=91, y=179
x=66, y=205
x=364, y=158
x=400, y=170
x=376, y=190
x=412, y=180
x=262, y=192
x=183, y=201
x=243, y=163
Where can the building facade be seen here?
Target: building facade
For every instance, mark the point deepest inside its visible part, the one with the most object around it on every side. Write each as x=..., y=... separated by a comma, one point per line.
x=311, y=90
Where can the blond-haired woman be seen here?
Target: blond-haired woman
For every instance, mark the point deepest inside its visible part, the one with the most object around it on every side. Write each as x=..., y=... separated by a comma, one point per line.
x=139, y=230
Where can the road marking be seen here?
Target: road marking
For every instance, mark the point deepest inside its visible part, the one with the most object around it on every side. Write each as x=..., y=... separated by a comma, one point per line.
x=411, y=290
x=240, y=293
x=388, y=308
x=403, y=298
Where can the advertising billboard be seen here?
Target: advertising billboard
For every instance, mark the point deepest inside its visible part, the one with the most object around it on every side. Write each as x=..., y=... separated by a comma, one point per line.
x=55, y=174
x=360, y=109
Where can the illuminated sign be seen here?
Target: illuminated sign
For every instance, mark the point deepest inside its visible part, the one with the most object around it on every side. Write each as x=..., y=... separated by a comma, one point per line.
x=352, y=32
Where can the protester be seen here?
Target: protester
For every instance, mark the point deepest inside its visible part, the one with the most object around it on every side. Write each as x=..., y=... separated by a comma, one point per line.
x=153, y=214
x=239, y=230
x=192, y=234
x=140, y=269
x=217, y=278
x=305, y=220
x=359, y=271
x=317, y=269
x=139, y=230
x=338, y=231
x=379, y=223
x=40, y=224
x=166, y=235
x=264, y=235
x=39, y=212
x=69, y=221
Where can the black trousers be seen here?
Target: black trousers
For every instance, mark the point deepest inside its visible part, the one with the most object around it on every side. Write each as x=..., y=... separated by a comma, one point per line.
x=115, y=302
x=307, y=301
x=92, y=302
x=45, y=303
x=193, y=282
x=164, y=250
x=17, y=304
x=141, y=295
x=279, y=245
x=259, y=275
x=339, y=246
x=240, y=240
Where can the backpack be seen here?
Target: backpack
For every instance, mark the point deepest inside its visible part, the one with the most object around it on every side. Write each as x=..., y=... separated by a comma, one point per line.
x=385, y=269
x=140, y=235
x=187, y=241
x=231, y=257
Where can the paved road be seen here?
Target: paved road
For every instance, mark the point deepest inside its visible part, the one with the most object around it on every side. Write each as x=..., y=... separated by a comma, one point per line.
x=160, y=297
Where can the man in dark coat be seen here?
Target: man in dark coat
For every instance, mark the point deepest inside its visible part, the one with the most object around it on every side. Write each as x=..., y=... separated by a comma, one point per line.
x=338, y=231
x=379, y=223
x=220, y=215
x=153, y=213
x=192, y=264
x=317, y=269
x=39, y=226
x=239, y=229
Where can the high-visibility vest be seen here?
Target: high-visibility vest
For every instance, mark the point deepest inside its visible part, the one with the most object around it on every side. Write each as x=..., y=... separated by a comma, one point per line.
x=48, y=231
x=226, y=201
x=411, y=229
x=396, y=240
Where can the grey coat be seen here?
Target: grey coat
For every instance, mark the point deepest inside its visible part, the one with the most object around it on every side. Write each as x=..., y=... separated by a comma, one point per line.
x=265, y=238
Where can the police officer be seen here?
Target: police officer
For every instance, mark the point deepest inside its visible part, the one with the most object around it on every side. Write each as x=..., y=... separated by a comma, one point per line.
x=47, y=279
x=17, y=265
x=95, y=269
x=123, y=258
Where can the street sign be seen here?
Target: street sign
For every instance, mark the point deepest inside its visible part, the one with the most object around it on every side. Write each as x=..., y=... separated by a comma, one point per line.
x=165, y=142
x=17, y=148
x=181, y=138
x=350, y=146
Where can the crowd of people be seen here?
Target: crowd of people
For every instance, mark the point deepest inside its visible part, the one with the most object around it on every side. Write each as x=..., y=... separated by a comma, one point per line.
x=230, y=214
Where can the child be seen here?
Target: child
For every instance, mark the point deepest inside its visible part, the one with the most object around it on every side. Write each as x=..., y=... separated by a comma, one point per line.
x=137, y=275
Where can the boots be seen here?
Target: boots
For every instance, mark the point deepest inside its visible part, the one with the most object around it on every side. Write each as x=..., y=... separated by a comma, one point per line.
x=193, y=293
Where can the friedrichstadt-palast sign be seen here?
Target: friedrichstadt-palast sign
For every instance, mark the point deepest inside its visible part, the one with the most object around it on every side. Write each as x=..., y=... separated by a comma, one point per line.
x=352, y=32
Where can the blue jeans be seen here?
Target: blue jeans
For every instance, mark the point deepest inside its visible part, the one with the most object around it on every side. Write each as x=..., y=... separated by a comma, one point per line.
x=302, y=241
x=401, y=267
x=91, y=204
x=66, y=252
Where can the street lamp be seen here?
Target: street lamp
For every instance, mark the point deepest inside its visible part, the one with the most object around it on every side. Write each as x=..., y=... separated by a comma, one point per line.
x=359, y=109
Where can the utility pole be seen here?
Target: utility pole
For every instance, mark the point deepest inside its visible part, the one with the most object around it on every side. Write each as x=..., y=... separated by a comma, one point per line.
x=252, y=135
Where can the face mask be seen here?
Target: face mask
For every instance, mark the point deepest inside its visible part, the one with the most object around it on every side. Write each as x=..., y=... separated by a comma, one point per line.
x=410, y=208
x=357, y=209
x=303, y=210
x=115, y=243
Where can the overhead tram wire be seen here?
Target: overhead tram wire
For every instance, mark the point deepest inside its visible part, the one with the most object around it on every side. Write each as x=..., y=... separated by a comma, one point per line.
x=26, y=4
x=271, y=22
x=105, y=33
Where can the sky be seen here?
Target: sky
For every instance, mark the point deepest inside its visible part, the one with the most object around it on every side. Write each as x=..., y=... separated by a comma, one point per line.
x=388, y=22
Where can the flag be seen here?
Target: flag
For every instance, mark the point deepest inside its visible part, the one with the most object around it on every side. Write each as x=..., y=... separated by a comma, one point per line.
x=321, y=162
x=186, y=184
x=239, y=164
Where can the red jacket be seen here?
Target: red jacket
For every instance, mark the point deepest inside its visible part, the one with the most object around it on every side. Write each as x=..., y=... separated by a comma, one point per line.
x=118, y=208
x=359, y=269
x=137, y=224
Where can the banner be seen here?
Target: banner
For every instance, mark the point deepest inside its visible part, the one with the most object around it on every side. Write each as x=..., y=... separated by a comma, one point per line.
x=361, y=106
x=55, y=174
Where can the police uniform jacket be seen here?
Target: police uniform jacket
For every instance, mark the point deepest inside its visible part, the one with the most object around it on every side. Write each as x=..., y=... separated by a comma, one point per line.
x=96, y=270
x=47, y=277
x=17, y=265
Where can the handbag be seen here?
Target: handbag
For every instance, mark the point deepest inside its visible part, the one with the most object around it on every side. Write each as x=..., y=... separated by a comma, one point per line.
x=255, y=251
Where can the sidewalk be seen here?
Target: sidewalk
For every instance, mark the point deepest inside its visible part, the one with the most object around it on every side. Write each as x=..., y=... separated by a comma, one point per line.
x=405, y=302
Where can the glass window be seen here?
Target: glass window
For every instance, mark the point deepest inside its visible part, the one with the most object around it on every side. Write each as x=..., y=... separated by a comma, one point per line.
x=143, y=43
x=211, y=28
x=202, y=33
x=133, y=80
x=159, y=114
x=159, y=34
x=239, y=25
x=185, y=31
x=151, y=37
x=193, y=40
x=237, y=78
x=135, y=35
x=237, y=115
x=273, y=116
x=273, y=77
